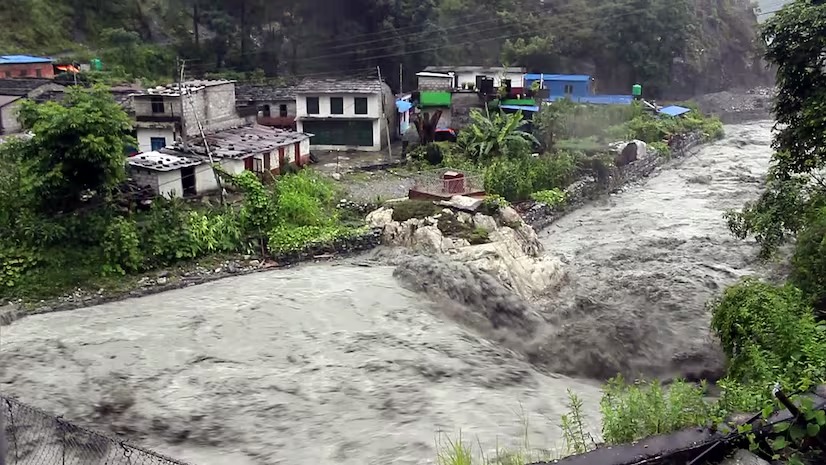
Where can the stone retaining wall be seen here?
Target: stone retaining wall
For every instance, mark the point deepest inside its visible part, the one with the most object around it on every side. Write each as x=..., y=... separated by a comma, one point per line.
x=147, y=286
x=540, y=216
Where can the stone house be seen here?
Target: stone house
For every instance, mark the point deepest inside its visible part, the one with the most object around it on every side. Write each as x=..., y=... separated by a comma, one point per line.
x=14, y=91
x=166, y=114
x=175, y=171
x=346, y=114
x=276, y=105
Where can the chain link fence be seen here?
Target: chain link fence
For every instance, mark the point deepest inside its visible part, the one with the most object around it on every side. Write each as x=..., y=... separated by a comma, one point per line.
x=435, y=182
x=34, y=437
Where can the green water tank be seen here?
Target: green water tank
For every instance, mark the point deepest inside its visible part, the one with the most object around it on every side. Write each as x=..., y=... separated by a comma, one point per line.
x=636, y=90
x=96, y=64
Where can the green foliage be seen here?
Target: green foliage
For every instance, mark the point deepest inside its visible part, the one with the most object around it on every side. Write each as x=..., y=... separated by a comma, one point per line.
x=516, y=179
x=433, y=154
x=77, y=147
x=573, y=426
x=770, y=335
x=305, y=199
x=497, y=136
x=407, y=209
x=634, y=411
x=493, y=203
x=14, y=264
x=809, y=260
x=121, y=247
x=552, y=197
x=286, y=238
x=778, y=214
x=796, y=38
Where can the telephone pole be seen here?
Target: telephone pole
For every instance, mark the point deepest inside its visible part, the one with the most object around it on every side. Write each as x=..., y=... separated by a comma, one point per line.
x=384, y=116
x=180, y=64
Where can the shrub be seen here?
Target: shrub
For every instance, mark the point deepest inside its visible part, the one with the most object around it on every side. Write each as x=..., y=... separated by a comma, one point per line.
x=121, y=247
x=407, y=209
x=433, y=154
x=809, y=260
x=552, y=197
x=510, y=178
x=634, y=411
x=285, y=239
x=15, y=262
x=769, y=334
x=305, y=199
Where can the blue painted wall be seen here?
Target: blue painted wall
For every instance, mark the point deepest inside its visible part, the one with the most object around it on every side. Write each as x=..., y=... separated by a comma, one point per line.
x=578, y=85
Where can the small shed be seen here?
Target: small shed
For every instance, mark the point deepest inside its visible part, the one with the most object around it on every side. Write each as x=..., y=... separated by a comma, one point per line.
x=167, y=173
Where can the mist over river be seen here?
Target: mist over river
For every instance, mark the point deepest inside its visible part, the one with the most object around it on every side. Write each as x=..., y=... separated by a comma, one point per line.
x=346, y=364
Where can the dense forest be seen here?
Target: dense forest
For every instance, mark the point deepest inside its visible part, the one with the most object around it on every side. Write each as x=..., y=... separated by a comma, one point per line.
x=675, y=47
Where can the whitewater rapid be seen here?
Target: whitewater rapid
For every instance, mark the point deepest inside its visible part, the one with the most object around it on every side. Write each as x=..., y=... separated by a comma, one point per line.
x=340, y=364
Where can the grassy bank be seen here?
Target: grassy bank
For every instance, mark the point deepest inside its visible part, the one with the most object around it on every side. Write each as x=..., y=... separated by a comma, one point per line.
x=66, y=224
x=572, y=141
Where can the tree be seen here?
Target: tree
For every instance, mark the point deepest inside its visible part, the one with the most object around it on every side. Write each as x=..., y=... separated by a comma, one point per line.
x=78, y=147
x=795, y=39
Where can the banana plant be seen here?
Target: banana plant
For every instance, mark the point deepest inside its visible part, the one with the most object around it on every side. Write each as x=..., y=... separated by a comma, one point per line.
x=500, y=134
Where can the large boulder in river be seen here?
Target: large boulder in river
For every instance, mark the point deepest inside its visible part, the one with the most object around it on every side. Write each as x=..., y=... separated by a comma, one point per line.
x=502, y=245
x=630, y=152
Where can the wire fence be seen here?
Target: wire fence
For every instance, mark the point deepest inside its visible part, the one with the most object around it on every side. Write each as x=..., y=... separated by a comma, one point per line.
x=34, y=437
x=448, y=182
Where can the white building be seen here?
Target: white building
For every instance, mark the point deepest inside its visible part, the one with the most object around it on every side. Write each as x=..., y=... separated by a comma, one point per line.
x=345, y=114
x=177, y=172
x=163, y=114
x=464, y=76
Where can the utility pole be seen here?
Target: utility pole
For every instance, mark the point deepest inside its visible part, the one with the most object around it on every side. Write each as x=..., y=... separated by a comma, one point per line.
x=179, y=64
x=384, y=116
x=401, y=81
x=206, y=146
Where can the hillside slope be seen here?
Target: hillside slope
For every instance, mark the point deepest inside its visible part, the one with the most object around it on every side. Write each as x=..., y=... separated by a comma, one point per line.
x=673, y=47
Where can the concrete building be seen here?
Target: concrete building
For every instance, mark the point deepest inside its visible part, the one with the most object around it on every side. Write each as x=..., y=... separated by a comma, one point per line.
x=14, y=91
x=25, y=66
x=275, y=105
x=470, y=76
x=164, y=114
x=175, y=171
x=346, y=114
x=576, y=87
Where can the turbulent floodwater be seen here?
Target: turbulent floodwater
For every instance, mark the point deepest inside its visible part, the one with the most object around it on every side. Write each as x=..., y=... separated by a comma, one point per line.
x=342, y=364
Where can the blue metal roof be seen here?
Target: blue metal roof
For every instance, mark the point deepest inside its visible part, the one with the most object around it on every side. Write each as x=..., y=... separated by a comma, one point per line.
x=596, y=99
x=558, y=77
x=533, y=108
x=674, y=110
x=22, y=59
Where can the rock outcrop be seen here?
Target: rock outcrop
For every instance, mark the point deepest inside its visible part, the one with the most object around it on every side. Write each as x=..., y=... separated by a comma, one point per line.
x=510, y=251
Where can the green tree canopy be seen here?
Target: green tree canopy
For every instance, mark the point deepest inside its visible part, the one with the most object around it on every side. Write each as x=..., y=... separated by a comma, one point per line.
x=77, y=147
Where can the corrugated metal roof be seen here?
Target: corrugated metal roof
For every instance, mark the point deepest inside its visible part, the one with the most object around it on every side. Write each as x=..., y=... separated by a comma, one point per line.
x=532, y=108
x=163, y=161
x=558, y=77
x=596, y=99
x=674, y=110
x=22, y=59
x=472, y=69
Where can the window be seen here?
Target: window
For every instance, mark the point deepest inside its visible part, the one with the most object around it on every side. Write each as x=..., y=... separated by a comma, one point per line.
x=38, y=73
x=360, y=105
x=258, y=165
x=336, y=105
x=24, y=73
x=569, y=89
x=157, y=143
x=312, y=105
x=157, y=105
x=282, y=110
x=266, y=111
x=8, y=74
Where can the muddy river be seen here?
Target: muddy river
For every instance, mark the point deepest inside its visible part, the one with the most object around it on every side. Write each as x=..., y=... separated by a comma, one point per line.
x=340, y=364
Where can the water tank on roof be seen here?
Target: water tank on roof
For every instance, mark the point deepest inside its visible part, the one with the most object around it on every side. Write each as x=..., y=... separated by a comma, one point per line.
x=636, y=90
x=96, y=64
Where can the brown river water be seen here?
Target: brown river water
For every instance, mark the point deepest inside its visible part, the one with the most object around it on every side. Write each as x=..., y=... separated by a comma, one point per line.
x=346, y=364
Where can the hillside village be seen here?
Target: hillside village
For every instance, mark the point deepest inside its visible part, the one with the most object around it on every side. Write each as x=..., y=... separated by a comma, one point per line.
x=183, y=128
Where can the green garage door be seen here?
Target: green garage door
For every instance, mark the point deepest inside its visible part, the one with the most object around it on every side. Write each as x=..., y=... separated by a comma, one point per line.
x=340, y=132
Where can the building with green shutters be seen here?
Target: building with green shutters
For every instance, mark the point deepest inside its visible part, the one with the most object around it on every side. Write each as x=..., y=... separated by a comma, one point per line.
x=345, y=114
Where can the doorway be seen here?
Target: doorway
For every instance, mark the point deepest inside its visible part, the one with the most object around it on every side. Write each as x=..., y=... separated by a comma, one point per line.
x=188, y=181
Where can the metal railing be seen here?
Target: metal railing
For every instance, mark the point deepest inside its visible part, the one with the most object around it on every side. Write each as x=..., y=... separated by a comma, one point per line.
x=433, y=182
x=34, y=437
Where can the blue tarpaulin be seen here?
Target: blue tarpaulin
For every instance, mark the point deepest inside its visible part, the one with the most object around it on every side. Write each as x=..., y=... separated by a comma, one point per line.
x=533, y=108
x=403, y=105
x=674, y=110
